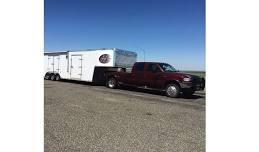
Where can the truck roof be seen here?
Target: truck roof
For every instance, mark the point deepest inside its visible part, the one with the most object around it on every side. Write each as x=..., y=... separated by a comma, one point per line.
x=150, y=62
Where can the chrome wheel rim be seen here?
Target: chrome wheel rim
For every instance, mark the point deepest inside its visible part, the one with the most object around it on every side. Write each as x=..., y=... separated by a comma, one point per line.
x=171, y=90
x=111, y=83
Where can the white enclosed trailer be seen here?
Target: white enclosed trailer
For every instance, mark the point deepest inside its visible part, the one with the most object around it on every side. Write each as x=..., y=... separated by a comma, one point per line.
x=86, y=65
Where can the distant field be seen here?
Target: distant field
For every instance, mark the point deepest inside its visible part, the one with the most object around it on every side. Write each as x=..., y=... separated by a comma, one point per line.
x=198, y=73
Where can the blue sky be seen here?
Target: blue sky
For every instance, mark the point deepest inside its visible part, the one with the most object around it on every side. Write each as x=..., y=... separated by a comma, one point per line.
x=171, y=31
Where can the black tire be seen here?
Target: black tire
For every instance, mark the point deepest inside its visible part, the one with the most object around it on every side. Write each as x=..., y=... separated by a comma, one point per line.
x=57, y=77
x=47, y=76
x=52, y=77
x=172, y=90
x=111, y=83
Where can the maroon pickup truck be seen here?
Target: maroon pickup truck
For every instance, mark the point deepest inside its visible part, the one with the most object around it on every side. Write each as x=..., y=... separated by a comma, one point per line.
x=158, y=76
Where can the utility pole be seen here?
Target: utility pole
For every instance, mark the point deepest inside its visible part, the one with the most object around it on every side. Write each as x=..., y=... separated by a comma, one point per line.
x=144, y=54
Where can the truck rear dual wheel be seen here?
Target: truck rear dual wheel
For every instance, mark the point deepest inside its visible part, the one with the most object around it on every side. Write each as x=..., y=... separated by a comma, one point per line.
x=172, y=90
x=111, y=83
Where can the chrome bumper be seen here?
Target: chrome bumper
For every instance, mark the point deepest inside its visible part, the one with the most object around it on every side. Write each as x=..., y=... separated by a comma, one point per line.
x=198, y=84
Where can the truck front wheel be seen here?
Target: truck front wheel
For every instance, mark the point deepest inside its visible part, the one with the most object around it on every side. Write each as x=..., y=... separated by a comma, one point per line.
x=172, y=90
x=111, y=83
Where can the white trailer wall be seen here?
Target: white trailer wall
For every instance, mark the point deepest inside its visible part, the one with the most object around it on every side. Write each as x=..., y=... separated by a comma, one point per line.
x=63, y=66
x=45, y=64
x=80, y=65
x=90, y=59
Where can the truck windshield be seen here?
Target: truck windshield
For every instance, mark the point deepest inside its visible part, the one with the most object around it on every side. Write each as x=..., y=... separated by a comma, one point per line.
x=167, y=67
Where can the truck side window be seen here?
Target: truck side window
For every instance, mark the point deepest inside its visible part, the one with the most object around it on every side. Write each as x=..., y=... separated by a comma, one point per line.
x=152, y=68
x=140, y=66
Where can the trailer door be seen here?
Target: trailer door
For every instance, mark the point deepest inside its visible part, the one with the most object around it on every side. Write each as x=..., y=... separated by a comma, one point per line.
x=56, y=63
x=76, y=67
x=50, y=64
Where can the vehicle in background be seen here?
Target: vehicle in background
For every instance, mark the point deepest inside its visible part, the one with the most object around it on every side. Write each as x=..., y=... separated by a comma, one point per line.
x=159, y=76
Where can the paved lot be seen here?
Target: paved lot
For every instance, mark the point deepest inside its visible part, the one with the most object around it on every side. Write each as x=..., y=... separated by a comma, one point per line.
x=81, y=117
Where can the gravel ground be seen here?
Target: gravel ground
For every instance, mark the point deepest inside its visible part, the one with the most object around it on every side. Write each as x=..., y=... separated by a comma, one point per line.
x=81, y=117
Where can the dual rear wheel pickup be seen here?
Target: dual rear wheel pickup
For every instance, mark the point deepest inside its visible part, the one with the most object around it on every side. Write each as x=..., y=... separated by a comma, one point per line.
x=157, y=76
x=145, y=75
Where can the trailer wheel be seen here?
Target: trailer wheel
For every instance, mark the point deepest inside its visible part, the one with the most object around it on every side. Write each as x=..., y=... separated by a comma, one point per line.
x=57, y=77
x=52, y=77
x=111, y=83
x=47, y=76
x=172, y=90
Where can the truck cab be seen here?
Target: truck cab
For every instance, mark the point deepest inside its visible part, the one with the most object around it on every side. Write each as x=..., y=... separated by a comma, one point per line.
x=158, y=76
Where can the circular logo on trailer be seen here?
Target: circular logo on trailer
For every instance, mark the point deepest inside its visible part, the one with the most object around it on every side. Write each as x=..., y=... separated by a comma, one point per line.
x=105, y=58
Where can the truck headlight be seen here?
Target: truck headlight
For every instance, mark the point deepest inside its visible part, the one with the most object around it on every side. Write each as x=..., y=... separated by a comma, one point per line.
x=187, y=79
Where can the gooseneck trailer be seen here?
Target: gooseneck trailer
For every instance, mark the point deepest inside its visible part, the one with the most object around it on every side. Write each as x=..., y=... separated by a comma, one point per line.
x=90, y=65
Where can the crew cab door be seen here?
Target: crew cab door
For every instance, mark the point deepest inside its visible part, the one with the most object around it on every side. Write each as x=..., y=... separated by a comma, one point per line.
x=137, y=76
x=152, y=76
